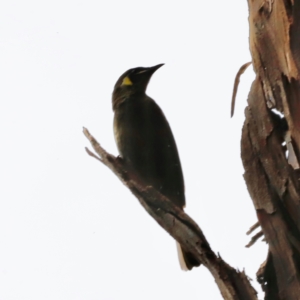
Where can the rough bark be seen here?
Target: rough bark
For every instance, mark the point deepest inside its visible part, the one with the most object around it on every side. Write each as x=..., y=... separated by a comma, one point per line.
x=270, y=176
x=233, y=285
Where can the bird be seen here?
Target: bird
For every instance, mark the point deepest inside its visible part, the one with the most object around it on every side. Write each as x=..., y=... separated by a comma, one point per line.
x=146, y=143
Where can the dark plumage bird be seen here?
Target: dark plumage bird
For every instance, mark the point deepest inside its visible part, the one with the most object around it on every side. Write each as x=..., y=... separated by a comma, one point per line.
x=145, y=141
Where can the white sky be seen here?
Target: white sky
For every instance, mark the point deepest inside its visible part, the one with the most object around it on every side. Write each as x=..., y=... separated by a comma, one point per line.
x=68, y=228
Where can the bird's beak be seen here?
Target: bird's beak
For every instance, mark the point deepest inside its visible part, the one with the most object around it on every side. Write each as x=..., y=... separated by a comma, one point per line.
x=151, y=70
x=145, y=75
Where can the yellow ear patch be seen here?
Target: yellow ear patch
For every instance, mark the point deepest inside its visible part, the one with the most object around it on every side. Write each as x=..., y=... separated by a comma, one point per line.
x=126, y=81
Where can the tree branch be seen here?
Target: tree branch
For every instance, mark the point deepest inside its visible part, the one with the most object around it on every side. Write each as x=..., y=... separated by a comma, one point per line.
x=233, y=285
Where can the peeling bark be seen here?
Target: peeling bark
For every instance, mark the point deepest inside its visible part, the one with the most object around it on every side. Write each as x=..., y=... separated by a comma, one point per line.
x=271, y=178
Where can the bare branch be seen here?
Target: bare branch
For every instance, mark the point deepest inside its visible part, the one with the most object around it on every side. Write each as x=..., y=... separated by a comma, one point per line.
x=236, y=84
x=252, y=228
x=90, y=153
x=254, y=239
x=233, y=285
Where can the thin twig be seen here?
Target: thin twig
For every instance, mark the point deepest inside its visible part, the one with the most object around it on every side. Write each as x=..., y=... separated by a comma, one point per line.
x=252, y=228
x=254, y=239
x=236, y=84
x=90, y=153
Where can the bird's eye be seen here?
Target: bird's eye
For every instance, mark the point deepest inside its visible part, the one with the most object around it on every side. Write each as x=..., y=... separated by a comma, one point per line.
x=126, y=81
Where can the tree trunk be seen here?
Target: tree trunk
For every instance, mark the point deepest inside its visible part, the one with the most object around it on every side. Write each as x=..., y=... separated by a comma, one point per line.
x=271, y=170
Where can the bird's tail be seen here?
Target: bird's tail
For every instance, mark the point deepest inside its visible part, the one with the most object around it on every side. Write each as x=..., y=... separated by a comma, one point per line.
x=186, y=260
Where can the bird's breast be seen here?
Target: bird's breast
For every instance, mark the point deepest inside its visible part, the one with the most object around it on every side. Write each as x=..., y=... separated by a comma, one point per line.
x=145, y=141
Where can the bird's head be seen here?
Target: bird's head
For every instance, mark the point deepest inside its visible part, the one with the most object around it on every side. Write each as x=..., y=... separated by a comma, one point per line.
x=133, y=81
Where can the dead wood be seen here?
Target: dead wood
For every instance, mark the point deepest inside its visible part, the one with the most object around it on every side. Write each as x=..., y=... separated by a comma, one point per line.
x=271, y=178
x=236, y=84
x=233, y=284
